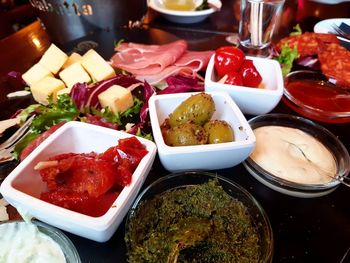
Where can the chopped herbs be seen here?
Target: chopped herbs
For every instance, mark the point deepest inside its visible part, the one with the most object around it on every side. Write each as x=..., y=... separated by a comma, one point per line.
x=199, y=223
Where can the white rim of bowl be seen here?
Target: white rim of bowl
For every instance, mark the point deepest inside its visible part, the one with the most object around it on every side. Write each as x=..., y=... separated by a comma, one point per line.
x=289, y=185
x=153, y=5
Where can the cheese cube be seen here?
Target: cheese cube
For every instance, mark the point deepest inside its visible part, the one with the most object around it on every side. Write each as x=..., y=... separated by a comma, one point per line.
x=63, y=91
x=96, y=66
x=45, y=87
x=73, y=58
x=35, y=73
x=73, y=74
x=116, y=98
x=53, y=59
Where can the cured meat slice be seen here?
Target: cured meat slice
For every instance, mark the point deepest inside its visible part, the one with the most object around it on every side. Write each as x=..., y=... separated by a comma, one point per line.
x=187, y=65
x=147, y=59
x=197, y=60
x=335, y=63
x=308, y=43
x=168, y=71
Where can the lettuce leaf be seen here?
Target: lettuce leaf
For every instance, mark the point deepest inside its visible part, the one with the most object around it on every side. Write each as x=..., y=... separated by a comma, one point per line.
x=286, y=58
x=62, y=110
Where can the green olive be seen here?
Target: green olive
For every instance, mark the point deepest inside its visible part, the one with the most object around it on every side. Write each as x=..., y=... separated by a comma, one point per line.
x=198, y=108
x=219, y=131
x=186, y=134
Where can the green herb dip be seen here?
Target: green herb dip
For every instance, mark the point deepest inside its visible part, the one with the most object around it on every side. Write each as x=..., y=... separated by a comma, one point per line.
x=199, y=223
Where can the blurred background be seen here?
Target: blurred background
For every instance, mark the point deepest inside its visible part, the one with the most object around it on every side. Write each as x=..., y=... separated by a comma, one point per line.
x=67, y=20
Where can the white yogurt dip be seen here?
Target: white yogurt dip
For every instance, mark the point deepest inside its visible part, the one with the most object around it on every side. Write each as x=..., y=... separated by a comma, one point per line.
x=293, y=155
x=22, y=242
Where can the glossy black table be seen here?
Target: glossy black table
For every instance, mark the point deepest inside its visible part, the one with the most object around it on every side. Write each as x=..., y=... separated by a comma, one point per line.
x=304, y=230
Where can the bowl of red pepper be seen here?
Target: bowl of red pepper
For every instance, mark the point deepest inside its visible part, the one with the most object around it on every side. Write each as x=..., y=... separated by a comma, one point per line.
x=82, y=179
x=254, y=83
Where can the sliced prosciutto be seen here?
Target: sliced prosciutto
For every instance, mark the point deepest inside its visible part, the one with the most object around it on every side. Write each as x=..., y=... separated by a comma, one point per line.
x=197, y=60
x=140, y=59
x=187, y=65
x=154, y=63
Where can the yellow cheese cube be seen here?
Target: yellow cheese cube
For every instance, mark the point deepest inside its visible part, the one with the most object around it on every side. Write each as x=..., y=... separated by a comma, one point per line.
x=116, y=98
x=73, y=58
x=73, y=74
x=96, y=66
x=45, y=87
x=63, y=91
x=35, y=73
x=53, y=59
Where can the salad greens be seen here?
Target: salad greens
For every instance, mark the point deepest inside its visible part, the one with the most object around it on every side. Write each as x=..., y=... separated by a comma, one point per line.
x=62, y=110
x=288, y=55
x=82, y=104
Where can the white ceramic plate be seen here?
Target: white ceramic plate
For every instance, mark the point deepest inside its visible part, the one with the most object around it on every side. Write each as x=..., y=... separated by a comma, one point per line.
x=325, y=26
x=183, y=17
x=329, y=2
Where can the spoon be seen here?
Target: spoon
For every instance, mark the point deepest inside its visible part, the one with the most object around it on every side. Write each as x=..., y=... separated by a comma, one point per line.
x=343, y=180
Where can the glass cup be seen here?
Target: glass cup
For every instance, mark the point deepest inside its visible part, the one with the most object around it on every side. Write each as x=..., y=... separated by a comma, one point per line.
x=257, y=22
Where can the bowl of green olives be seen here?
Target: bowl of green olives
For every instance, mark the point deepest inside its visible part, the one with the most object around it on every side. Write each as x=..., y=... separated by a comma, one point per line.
x=199, y=131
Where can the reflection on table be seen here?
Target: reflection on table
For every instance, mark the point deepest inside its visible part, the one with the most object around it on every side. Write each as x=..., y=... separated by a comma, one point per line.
x=305, y=230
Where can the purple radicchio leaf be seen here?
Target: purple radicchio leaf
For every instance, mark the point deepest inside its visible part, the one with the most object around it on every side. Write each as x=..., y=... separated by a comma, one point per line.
x=80, y=94
x=87, y=96
x=14, y=79
x=177, y=84
x=101, y=86
x=148, y=92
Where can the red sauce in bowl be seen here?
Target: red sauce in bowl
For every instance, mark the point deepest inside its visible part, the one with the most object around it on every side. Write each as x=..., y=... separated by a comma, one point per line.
x=317, y=99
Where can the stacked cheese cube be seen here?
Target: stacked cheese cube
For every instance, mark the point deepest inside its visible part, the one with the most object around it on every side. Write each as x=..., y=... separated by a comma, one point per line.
x=56, y=73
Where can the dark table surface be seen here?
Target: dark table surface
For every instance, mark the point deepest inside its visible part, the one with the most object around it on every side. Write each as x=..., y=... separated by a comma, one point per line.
x=304, y=229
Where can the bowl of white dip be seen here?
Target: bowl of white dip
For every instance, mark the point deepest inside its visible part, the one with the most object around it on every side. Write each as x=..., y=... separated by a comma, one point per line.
x=296, y=156
x=35, y=241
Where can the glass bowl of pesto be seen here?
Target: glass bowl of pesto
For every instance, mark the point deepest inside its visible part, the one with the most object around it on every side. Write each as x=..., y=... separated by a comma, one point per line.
x=35, y=241
x=192, y=215
x=296, y=156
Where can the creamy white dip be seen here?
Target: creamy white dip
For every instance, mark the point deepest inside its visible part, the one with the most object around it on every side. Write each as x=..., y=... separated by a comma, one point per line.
x=293, y=155
x=23, y=243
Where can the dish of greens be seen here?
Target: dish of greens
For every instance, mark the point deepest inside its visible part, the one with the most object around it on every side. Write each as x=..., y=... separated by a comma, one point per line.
x=197, y=223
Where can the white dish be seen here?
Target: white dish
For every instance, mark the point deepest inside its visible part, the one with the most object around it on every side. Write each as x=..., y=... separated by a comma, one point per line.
x=208, y=156
x=23, y=186
x=329, y=2
x=182, y=17
x=253, y=101
x=325, y=26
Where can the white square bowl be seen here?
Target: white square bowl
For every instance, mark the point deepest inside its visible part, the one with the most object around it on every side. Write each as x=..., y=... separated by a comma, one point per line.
x=254, y=101
x=208, y=156
x=23, y=186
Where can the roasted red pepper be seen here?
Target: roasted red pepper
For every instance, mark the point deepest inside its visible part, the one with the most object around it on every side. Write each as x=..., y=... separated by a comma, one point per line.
x=228, y=59
x=234, y=78
x=251, y=77
x=89, y=182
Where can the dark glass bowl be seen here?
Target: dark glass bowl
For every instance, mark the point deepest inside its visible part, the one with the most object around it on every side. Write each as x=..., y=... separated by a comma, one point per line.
x=184, y=179
x=329, y=140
